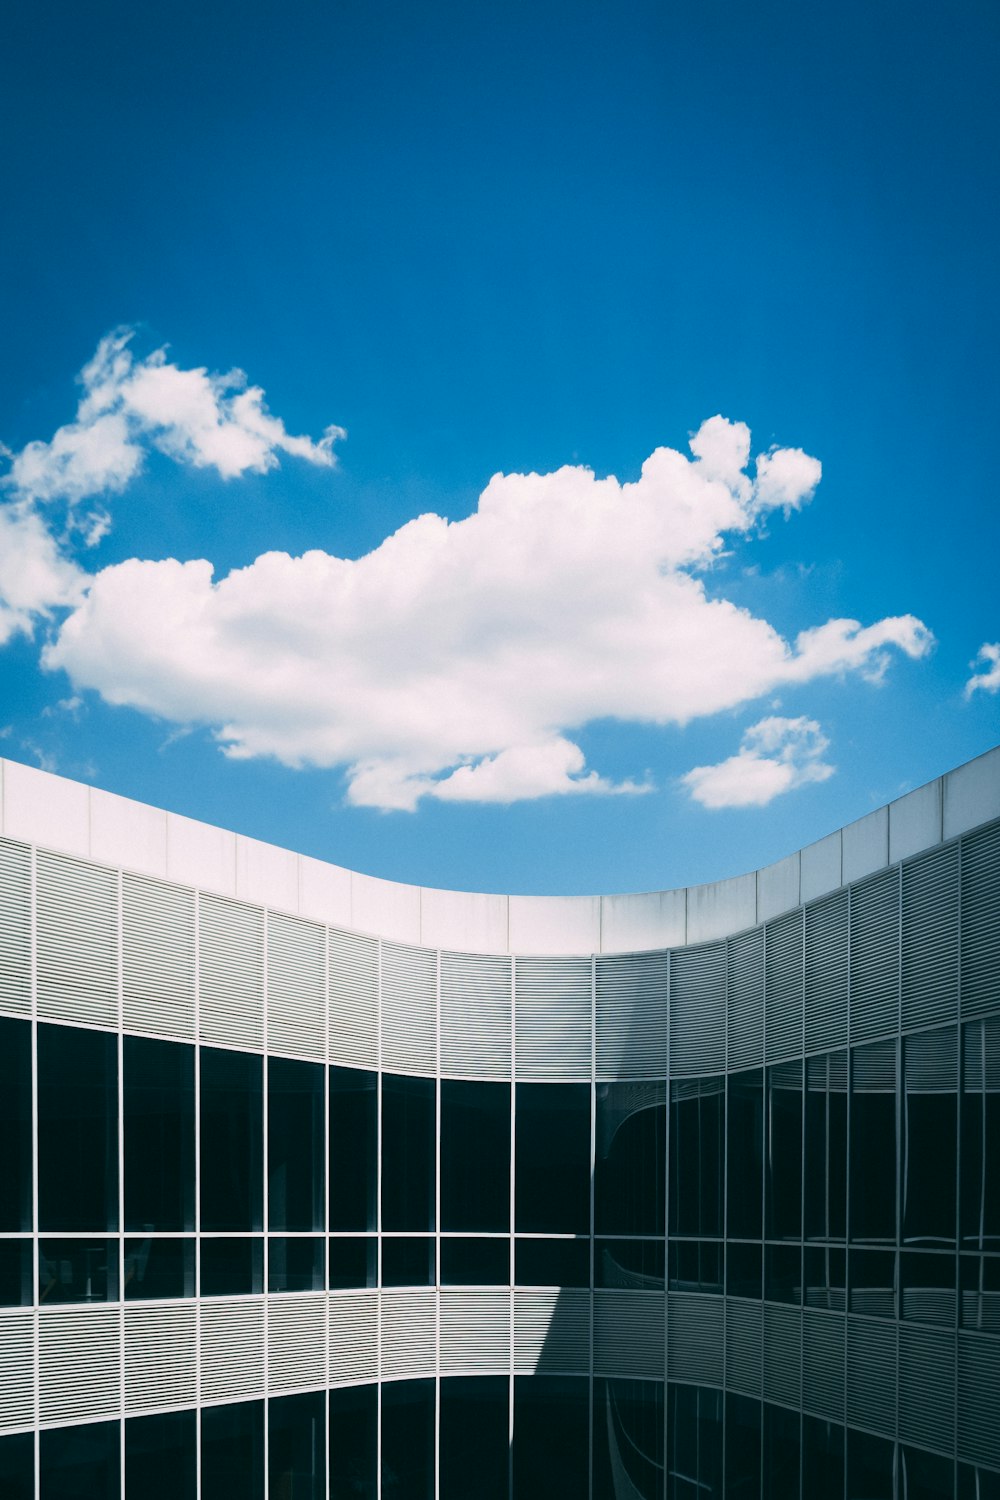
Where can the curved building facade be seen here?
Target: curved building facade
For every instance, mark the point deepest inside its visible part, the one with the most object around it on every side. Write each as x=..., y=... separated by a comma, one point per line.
x=316, y=1185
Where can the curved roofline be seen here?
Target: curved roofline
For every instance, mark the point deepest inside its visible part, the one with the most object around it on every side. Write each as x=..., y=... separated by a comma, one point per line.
x=37, y=807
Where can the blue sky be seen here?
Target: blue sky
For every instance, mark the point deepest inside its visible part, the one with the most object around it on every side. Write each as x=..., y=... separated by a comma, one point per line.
x=501, y=241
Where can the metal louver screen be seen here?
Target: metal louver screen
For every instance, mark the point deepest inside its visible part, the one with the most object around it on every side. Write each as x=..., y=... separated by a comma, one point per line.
x=930, y=1062
x=475, y=1331
x=353, y=984
x=826, y=948
x=231, y=972
x=15, y=927
x=552, y=1017
x=698, y=1009
x=475, y=1016
x=871, y=1375
x=629, y=1335
x=981, y=1040
x=744, y=1334
x=552, y=1332
x=875, y=956
x=981, y=922
x=79, y=1363
x=17, y=1369
x=783, y=987
x=695, y=1338
x=232, y=1348
x=408, y=1322
x=782, y=1354
x=296, y=1342
x=929, y=954
x=77, y=954
x=926, y=1387
x=161, y=1366
x=632, y=1006
x=353, y=1337
x=409, y=1008
x=745, y=998
x=296, y=986
x=157, y=957
x=979, y=1399
x=823, y=1364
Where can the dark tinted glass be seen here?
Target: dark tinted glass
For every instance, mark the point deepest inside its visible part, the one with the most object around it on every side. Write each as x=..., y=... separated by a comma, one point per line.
x=472, y=1262
x=628, y=1439
x=743, y=1419
x=926, y=1476
x=408, y=1439
x=353, y=1148
x=784, y=1152
x=873, y=1143
x=408, y=1150
x=158, y=1134
x=15, y=1273
x=77, y=1129
x=782, y=1273
x=743, y=1270
x=552, y=1175
x=873, y=1282
x=296, y=1447
x=552, y=1262
x=475, y=1155
x=870, y=1467
x=927, y=1287
x=822, y=1459
x=474, y=1438
x=694, y=1442
x=295, y=1156
x=980, y=1288
x=697, y=1107
x=15, y=1125
x=696, y=1265
x=232, y=1143
x=161, y=1457
x=353, y=1262
x=980, y=1203
x=825, y=1273
x=232, y=1451
x=629, y=1168
x=635, y=1264
x=80, y=1463
x=354, y=1443
x=551, y=1436
x=295, y=1264
x=745, y=1153
x=159, y=1268
x=408, y=1261
x=17, y=1466
x=77, y=1271
x=930, y=1135
x=232, y=1267
x=825, y=1175
x=780, y=1433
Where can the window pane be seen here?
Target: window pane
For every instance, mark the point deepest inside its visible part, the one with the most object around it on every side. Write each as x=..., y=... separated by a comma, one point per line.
x=927, y=1476
x=980, y=1207
x=475, y=1155
x=408, y=1261
x=697, y=1107
x=551, y=1436
x=295, y=1264
x=295, y=1130
x=742, y=1450
x=77, y=1271
x=781, y=1453
x=475, y=1262
x=17, y=1466
x=784, y=1152
x=870, y=1467
x=825, y=1271
x=782, y=1273
x=743, y=1270
x=353, y=1148
x=232, y=1267
x=927, y=1287
x=158, y=1101
x=296, y=1447
x=15, y=1125
x=15, y=1273
x=696, y=1265
x=80, y=1463
x=353, y=1262
x=474, y=1438
x=635, y=1264
x=745, y=1153
x=232, y=1147
x=873, y=1143
x=629, y=1169
x=161, y=1457
x=552, y=1262
x=159, y=1268
x=408, y=1150
x=930, y=1135
x=552, y=1169
x=408, y=1439
x=628, y=1439
x=354, y=1443
x=694, y=1438
x=826, y=1147
x=873, y=1282
x=77, y=1129
x=822, y=1459
x=232, y=1451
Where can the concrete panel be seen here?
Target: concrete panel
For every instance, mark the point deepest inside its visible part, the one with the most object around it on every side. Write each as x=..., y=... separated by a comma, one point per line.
x=915, y=821
x=655, y=919
x=555, y=924
x=721, y=907
x=778, y=887
x=821, y=867
x=324, y=892
x=972, y=794
x=866, y=845
x=463, y=920
x=201, y=855
x=388, y=909
x=43, y=809
x=123, y=832
x=266, y=875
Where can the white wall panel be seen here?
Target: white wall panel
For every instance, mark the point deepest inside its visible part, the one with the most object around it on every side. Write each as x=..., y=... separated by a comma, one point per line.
x=123, y=832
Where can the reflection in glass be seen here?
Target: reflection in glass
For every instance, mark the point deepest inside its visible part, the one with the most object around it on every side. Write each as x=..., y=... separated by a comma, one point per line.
x=552, y=1167
x=296, y=1447
x=696, y=1265
x=873, y=1282
x=15, y=1273
x=232, y=1267
x=782, y=1273
x=77, y=1129
x=825, y=1174
x=742, y=1448
x=77, y=1271
x=232, y=1144
x=780, y=1436
x=697, y=1108
x=870, y=1467
x=980, y=1184
x=353, y=1262
x=551, y=1436
x=930, y=1135
x=295, y=1263
x=628, y=1439
x=980, y=1292
x=873, y=1143
x=825, y=1276
x=784, y=1152
x=552, y=1262
x=17, y=1466
x=743, y=1270
x=80, y=1463
x=475, y=1155
x=927, y=1287
x=408, y=1260
x=408, y=1439
x=694, y=1450
x=475, y=1262
x=635, y=1264
x=159, y=1268
x=630, y=1128
x=822, y=1459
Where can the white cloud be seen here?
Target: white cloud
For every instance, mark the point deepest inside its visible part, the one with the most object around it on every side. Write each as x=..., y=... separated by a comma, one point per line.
x=775, y=755
x=986, y=670
x=456, y=659
x=35, y=577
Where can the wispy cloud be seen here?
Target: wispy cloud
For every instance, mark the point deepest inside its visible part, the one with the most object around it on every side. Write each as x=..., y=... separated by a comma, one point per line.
x=985, y=670
x=775, y=755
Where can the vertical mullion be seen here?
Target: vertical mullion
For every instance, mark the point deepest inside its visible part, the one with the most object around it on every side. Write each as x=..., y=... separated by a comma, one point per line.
x=327, y=1211
x=265, y=1157
x=437, y=1228
x=197, y=1185
x=666, y=1244
x=513, y=1223
x=378, y=1224
x=36, y=1332
x=120, y=1136
x=593, y=1168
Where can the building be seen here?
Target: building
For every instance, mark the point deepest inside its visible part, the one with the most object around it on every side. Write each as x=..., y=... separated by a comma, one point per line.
x=268, y=1125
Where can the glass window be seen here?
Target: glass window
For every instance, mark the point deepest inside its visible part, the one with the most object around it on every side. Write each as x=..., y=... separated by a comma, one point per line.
x=784, y=1152
x=77, y=1271
x=353, y=1148
x=408, y=1260
x=926, y=1476
x=232, y=1146
x=77, y=1129
x=15, y=1125
x=825, y=1175
x=295, y=1157
x=475, y=1262
x=552, y=1262
x=354, y=1443
x=822, y=1459
x=474, y=1437
x=980, y=1288
x=353, y=1262
x=873, y=1282
x=697, y=1120
x=825, y=1268
x=296, y=1446
x=15, y=1273
x=632, y=1264
x=159, y=1268
x=232, y=1451
x=927, y=1287
x=408, y=1439
x=743, y=1270
x=80, y=1463
x=930, y=1137
x=552, y=1158
x=551, y=1436
x=782, y=1273
x=628, y=1437
x=696, y=1265
x=475, y=1156
x=980, y=1202
x=408, y=1151
x=629, y=1168
x=158, y=1134
x=161, y=1456
x=232, y=1267
x=873, y=1143
x=742, y=1450
x=745, y=1154
x=694, y=1442
x=870, y=1467
x=295, y=1264
x=17, y=1466
x=780, y=1434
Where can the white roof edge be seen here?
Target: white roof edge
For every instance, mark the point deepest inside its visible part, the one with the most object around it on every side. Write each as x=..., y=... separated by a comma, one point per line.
x=71, y=817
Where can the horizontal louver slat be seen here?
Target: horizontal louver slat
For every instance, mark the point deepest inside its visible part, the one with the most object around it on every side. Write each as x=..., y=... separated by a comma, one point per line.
x=981, y=922
x=475, y=1331
x=745, y=1000
x=409, y=1008
x=875, y=956
x=632, y=1009
x=408, y=1322
x=353, y=1337
x=79, y=1363
x=871, y=1375
x=929, y=951
x=698, y=1009
x=231, y=972
x=629, y=1335
x=161, y=1367
x=823, y=1364
x=782, y=1354
x=552, y=1332
x=353, y=986
x=15, y=927
x=158, y=948
x=77, y=940
x=552, y=1026
x=978, y=1399
x=296, y=1342
x=783, y=987
x=695, y=1338
x=927, y=1387
x=17, y=1369
x=232, y=1348
x=475, y=1016
x=826, y=987
x=744, y=1336
x=296, y=987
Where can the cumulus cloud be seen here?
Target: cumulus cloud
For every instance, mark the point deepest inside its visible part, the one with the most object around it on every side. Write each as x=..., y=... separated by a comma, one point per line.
x=985, y=670
x=456, y=660
x=35, y=576
x=775, y=755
